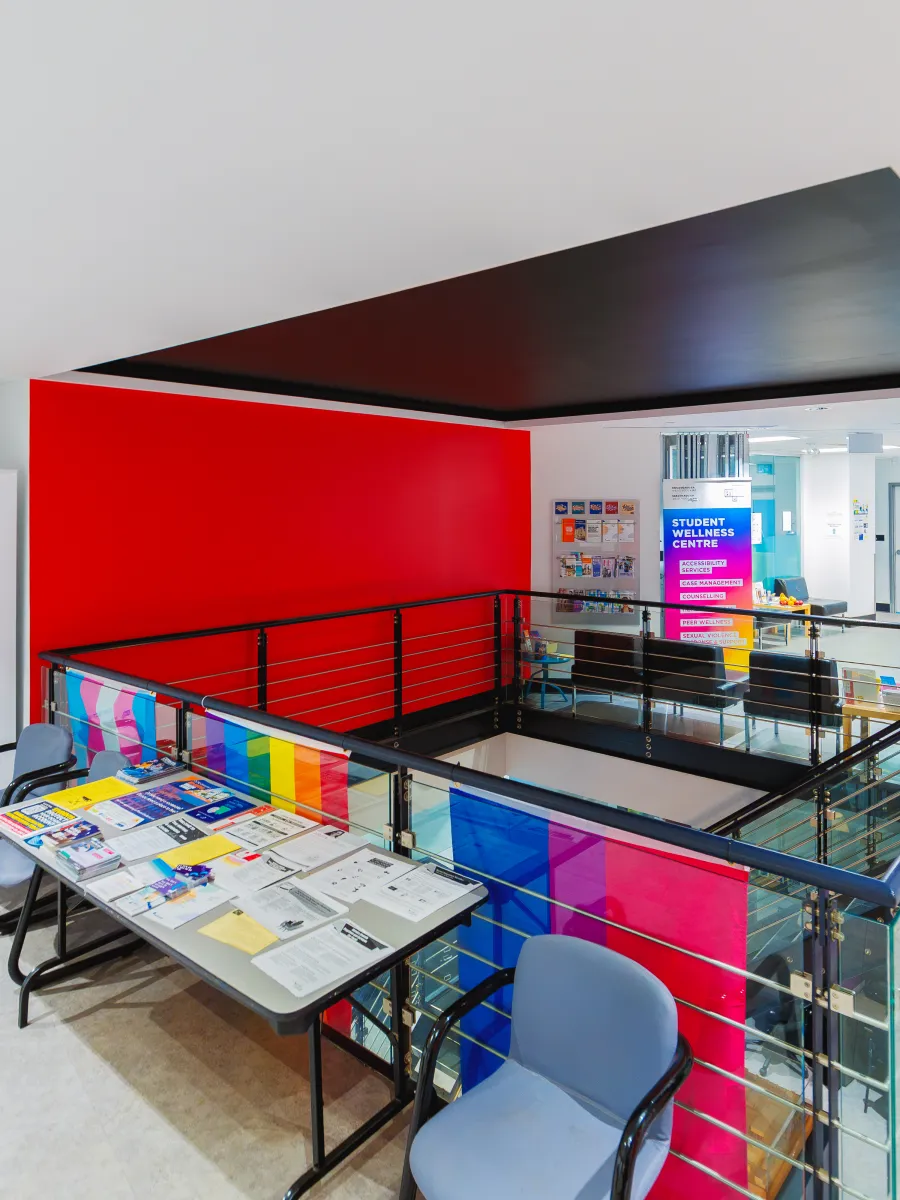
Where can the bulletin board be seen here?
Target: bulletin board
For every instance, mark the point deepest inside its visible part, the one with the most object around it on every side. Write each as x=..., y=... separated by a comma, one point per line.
x=596, y=560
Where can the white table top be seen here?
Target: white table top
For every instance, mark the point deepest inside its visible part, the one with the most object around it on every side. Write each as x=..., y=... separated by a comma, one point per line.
x=231, y=970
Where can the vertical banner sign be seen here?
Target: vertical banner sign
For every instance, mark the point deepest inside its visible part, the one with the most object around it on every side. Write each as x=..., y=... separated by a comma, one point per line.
x=707, y=548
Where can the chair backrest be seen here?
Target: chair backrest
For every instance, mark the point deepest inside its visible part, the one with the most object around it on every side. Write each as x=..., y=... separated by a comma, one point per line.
x=792, y=586
x=680, y=670
x=106, y=763
x=593, y=1022
x=41, y=745
x=606, y=661
x=783, y=681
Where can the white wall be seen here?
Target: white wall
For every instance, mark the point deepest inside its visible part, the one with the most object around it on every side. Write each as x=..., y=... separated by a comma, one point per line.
x=842, y=567
x=861, y=479
x=588, y=458
x=674, y=795
x=14, y=425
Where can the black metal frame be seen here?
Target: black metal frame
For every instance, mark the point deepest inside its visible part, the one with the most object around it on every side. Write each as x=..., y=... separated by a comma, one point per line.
x=502, y=701
x=636, y=1128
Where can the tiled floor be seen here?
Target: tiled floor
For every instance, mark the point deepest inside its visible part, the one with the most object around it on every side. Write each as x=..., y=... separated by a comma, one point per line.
x=144, y=1082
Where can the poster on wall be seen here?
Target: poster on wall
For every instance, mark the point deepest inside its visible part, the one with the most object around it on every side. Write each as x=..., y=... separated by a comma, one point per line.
x=707, y=552
x=596, y=559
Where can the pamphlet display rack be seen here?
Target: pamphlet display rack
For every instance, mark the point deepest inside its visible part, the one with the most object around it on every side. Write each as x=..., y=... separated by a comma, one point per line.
x=596, y=560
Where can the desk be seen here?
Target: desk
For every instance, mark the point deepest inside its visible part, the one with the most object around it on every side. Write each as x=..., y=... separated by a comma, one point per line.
x=545, y=662
x=231, y=971
x=866, y=710
x=782, y=609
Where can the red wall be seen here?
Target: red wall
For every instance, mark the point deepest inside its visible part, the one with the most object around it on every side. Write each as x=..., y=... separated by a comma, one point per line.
x=152, y=512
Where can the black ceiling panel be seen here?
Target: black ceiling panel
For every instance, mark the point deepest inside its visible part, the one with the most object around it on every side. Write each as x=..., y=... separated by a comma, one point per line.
x=795, y=294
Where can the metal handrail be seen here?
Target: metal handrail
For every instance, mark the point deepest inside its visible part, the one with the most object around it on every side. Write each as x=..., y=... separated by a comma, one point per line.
x=880, y=892
x=279, y=622
x=816, y=777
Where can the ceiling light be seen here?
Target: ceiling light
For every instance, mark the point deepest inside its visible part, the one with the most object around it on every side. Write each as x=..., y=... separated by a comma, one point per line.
x=818, y=407
x=779, y=438
x=890, y=447
x=832, y=449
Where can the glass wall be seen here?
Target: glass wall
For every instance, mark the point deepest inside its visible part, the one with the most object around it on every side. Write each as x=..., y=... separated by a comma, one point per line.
x=775, y=494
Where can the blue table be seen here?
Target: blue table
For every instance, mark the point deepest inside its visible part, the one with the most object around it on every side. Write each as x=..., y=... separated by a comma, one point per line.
x=545, y=662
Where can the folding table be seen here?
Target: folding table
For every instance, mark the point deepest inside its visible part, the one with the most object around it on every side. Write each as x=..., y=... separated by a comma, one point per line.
x=231, y=971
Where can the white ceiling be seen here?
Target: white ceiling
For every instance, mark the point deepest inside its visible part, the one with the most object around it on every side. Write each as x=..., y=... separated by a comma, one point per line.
x=810, y=422
x=184, y=168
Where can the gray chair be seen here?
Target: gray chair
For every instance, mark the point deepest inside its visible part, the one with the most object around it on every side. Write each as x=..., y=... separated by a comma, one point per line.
x=41, y=765
x=581, y=1109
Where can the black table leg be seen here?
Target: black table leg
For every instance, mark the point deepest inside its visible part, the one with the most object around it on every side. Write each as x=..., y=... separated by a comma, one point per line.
x=76, y=962
x=324, y=1162
x=16, y=973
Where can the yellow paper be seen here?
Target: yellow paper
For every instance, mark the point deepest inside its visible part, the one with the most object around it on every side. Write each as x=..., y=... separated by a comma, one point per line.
x=199, y=851
x=92, y=793
x=238, y=930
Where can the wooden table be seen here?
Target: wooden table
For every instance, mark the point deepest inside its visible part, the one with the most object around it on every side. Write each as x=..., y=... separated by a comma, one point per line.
x=866, y=710
x=796, y=609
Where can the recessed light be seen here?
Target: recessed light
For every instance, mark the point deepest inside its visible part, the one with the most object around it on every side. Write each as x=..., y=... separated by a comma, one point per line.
x=832, y=449
x=818, y=407
x=776, y=438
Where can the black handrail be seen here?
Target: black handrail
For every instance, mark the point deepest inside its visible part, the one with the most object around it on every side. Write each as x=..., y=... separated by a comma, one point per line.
x=279, y=622
x=818, y=776
x=881, y=892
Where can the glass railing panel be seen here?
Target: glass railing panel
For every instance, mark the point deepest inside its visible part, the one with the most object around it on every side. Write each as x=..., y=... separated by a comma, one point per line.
x=746, y=1114
x=105, y=715
x=863, y=1055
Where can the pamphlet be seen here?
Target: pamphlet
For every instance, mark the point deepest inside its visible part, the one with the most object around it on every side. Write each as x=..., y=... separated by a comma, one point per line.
x=351, y=877
x=35, y=817
x=113, y=814
x=141, y=901
x=322, y=958
x=274, y=827
x=85, y=859
x=145, y=772
x=291, y=907
x=89, y=793
x=202, y=850
x=421, y=892
x=323, y=845
x=202, y=791
x=236, y=929
x=207, y=817
x=250, y=870
x=111, y=887
x=181, y=830
x=142, y=843
x=155, y=803
x=223, y=811
x=64, y=835
x=181, y=909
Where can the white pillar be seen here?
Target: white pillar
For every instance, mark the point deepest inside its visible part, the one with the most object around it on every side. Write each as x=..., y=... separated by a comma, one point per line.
x=838, y=533
x=14, y=450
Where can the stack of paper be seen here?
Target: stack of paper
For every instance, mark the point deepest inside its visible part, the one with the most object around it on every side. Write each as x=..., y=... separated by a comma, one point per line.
x=322, y=958
x=250, y=870
x=421, y=892
x=289, y=908
x=273, y=827
x=88, y=858
x=35, y=818
x=323, y=845
x=365, y=870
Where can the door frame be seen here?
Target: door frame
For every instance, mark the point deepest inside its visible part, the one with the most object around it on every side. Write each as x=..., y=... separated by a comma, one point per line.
x=893, y=544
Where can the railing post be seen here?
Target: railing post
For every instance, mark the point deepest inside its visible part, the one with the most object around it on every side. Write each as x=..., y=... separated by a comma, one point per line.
x=398, y=672
x=181, y=732
x=262, y=669
x=51, y=695
x=646, y=709
x=825, y=921
x=517, y=648
x=498, y=659
x=815, y=694
x=401, y=1011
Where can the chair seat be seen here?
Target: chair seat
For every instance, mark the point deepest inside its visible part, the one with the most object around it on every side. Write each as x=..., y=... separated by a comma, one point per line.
x=827, y=608
x=516, y=1136
x=15, y=867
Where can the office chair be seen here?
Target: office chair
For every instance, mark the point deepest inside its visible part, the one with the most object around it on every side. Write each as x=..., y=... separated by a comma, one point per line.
x=583, y=1104
x=105, y=763
x=42, y=764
